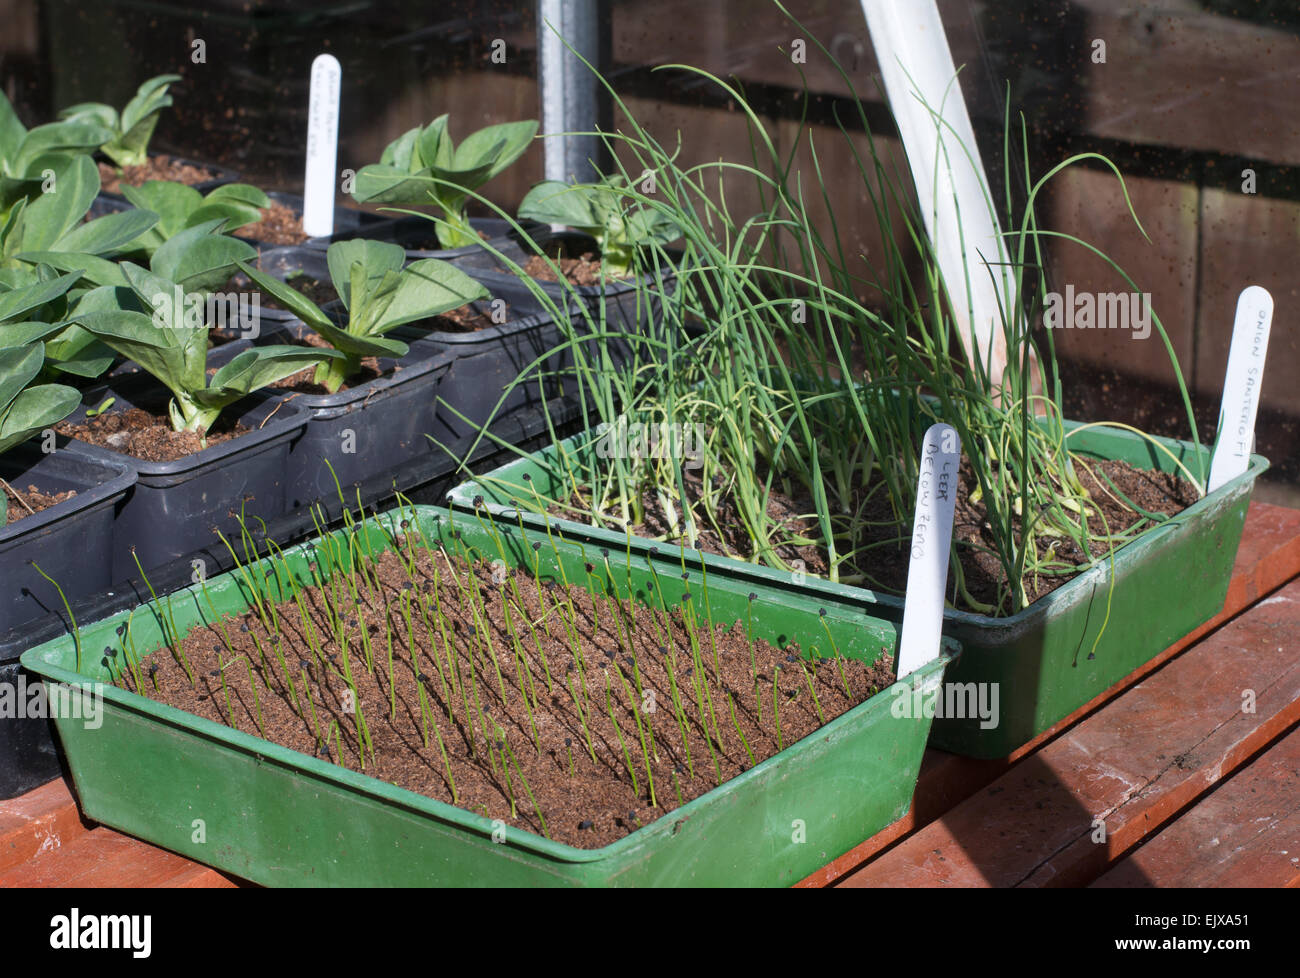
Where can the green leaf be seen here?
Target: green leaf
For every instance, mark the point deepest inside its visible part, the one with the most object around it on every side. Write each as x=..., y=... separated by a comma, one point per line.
x=98, y=271
x=92, y=113
x=150, y=98
x=79, y=137
x=20, y=301
x=238, y=193
x=382, y=183
x=19, y=365
x=172, y=202
x=135, y=336
x=12, y=132
x=78, y=353
x=427, y=288
x=35, y=409
x=647, y=226
x=376, y=257
x=109, y=233
x=398, y=153
x=259, y=367
x=200, y=260
x=434, y=145
x=21, y=334
x=131, y=144
x=552, y=202
x=500, y=145
x=361, y=346
x=53, y=214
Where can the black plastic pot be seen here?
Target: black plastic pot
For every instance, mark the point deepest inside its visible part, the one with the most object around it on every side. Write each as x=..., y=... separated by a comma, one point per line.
x=487, y=361
x=70, y=541
x=414, y=232
x=175, y=507
x=364, y=431
x=28, y=756
x=628, y=307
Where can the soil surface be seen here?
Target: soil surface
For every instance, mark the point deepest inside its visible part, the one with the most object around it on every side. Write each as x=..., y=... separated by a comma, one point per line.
x=145, y=435
x=886, y=565
x=30, y=501
x=280, y=225
x=463, y=320
x=160, y=167
x=583, y=269
x=302, y=382
x=573, y=746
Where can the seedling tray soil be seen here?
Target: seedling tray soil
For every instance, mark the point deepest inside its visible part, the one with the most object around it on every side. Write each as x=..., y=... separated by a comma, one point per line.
x=278, y=816
x=1057, y=654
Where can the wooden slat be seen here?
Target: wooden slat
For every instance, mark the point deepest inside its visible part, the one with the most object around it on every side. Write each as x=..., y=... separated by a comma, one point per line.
x=1133, y=766
x=104, y=858
x=43, y=820
x=1245, y=834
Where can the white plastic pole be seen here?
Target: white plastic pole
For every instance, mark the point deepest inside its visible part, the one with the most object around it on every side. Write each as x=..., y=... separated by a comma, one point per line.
x=926, y=100
x=322, y=146
x=1235, y=438
x=927, y=573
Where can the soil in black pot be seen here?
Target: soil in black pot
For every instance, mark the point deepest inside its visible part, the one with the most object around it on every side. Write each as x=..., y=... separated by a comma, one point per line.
x=30, y=501
x=302, y=382
x=280, y=225
x=159, y=167
x=147, y=435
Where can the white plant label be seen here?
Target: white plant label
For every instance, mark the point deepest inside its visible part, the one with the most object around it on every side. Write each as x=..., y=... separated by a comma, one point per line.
x=1236, y=434
x=322, y=146
x=927, y=573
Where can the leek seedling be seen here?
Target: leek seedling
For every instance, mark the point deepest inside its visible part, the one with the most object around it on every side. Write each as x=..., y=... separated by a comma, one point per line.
x=618, y=731
x=641, y=729
x=776, y=705
x=76, y=632
x=739, y=733
x=812, y=692
x=171, y=633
